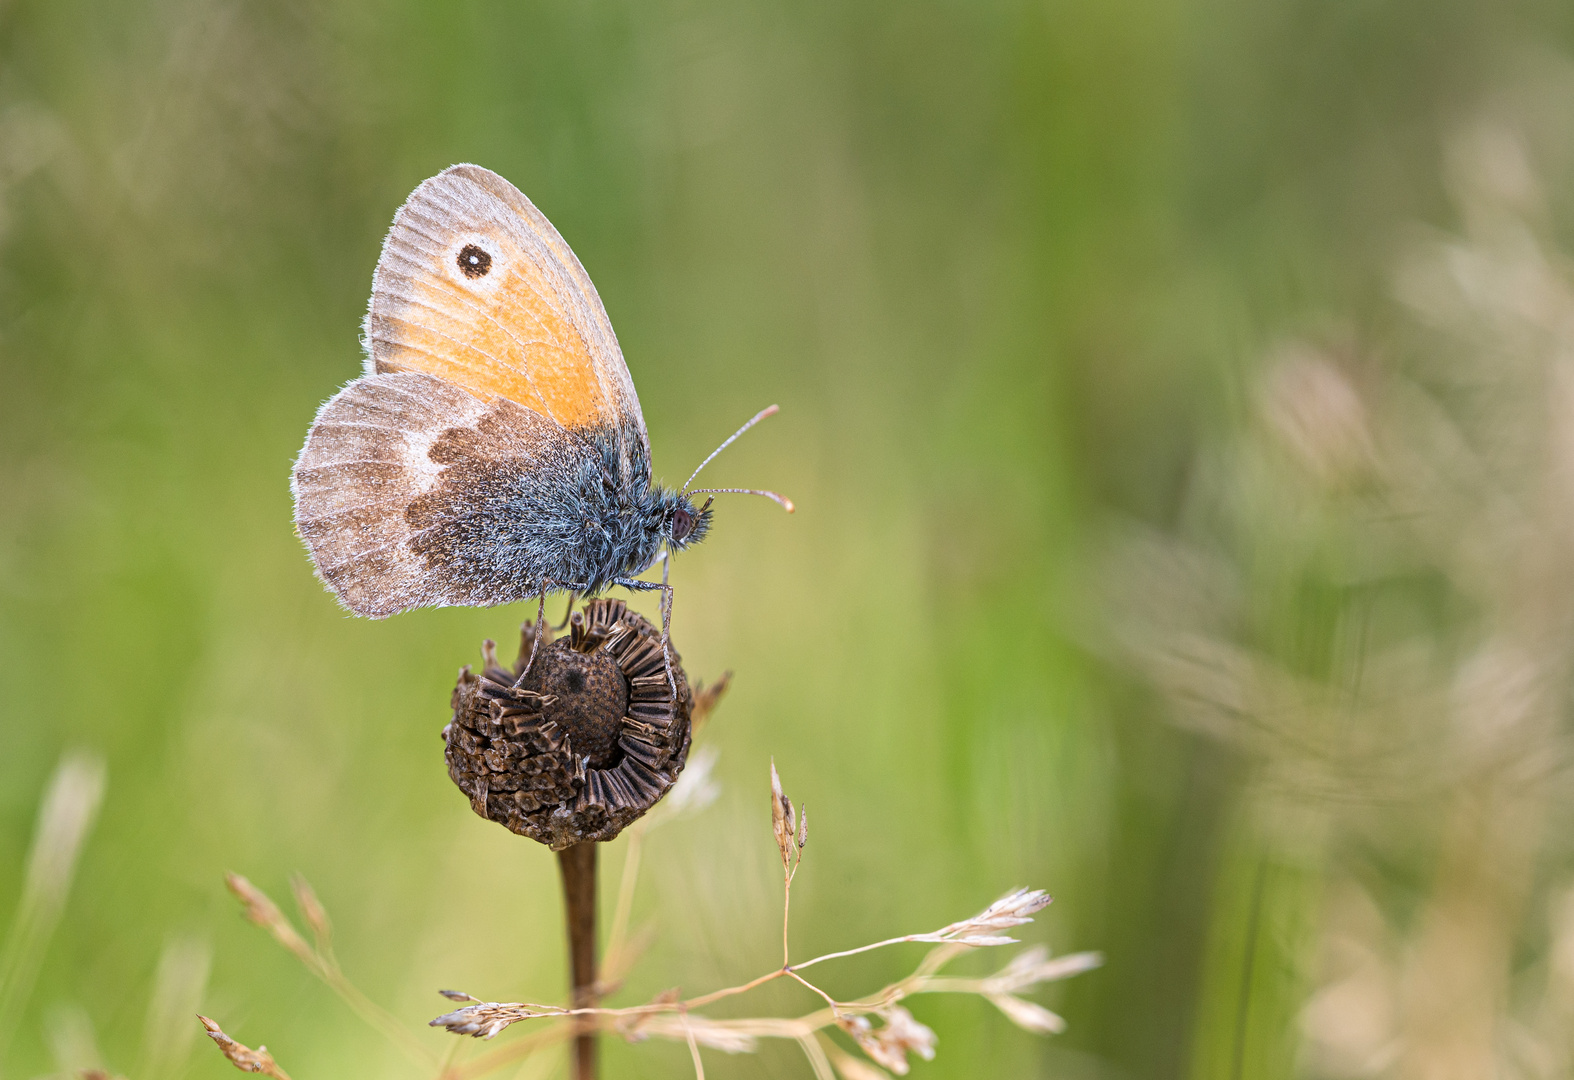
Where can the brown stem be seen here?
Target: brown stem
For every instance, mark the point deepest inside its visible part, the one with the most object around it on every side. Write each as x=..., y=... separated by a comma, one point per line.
x=578, y=864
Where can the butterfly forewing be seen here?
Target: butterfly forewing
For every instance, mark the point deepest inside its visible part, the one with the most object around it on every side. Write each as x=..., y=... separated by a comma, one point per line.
x=476, y=287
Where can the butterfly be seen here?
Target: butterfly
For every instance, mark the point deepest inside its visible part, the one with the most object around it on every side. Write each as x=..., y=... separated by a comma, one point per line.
x=494, y=449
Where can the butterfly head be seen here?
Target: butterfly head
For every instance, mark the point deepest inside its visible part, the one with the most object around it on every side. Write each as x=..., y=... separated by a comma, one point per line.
x=686, y=523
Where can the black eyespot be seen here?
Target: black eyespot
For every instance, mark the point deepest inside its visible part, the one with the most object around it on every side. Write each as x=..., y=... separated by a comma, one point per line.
x=682, y=523
x=474, y=262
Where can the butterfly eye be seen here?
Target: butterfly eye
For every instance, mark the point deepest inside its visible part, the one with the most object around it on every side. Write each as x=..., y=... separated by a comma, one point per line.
x=682, y=523
x=473, y=261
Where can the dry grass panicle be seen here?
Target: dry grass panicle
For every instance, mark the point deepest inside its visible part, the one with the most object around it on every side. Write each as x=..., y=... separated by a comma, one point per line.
x=878, y=1024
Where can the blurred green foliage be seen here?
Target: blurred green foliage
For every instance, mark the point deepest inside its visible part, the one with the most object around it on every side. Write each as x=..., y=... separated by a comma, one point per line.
x=1006, y=267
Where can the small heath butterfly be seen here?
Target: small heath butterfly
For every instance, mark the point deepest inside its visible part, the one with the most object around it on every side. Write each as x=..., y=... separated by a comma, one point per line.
x=494, y=448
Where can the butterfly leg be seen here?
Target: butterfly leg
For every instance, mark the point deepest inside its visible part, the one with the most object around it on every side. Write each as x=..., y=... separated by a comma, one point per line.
x=568, y=612
x=535, y=638
x=666, y=629
x=636, y=585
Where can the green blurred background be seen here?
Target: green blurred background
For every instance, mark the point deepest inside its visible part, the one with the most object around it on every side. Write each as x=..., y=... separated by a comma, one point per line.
x=1013, y=272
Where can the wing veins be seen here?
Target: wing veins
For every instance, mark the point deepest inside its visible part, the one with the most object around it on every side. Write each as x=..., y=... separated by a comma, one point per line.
x=485, y=314
x=585, y=289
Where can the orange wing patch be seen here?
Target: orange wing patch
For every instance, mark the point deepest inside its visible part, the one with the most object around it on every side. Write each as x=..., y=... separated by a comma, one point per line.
x=475, y=287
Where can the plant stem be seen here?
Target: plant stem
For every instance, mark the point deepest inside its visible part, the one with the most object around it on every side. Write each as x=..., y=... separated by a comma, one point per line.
x=578, y=864
x=786, y=911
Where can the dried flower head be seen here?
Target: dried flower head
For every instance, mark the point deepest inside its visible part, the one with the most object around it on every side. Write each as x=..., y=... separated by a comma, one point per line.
x=588, y=741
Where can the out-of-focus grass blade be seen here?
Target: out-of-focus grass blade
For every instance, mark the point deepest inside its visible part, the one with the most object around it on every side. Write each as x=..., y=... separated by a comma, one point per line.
x=177, y=995
x=72, y=1040
x=65, y=817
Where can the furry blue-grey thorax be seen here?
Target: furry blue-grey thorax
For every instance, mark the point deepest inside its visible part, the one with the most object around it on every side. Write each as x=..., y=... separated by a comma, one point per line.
x=579, y=513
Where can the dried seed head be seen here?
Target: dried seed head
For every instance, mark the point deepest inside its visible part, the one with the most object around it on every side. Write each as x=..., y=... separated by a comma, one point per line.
x=1029, y=1016
x=1033, y=966
x=485, y=1019
x=706, y=697
x=889, y=1045
x=260, y=909
x=1012, y=909
x=243, y=1057
x=588, y=742
x=313, y=912
x=782, y=823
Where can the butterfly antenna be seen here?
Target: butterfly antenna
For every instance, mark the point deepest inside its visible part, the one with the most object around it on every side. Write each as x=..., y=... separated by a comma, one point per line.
x=781, y=500
x=761, y=415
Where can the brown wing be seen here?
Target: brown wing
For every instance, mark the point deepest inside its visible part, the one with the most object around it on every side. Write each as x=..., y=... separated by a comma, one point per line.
x=476, y=287
x=374, y=491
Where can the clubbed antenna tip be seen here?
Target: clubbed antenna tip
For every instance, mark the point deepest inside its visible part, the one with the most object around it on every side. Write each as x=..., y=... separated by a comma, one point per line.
x=780, y=500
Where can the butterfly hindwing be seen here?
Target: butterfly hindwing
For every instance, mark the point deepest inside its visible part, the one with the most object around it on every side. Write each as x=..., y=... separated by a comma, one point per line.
x=412, y=492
